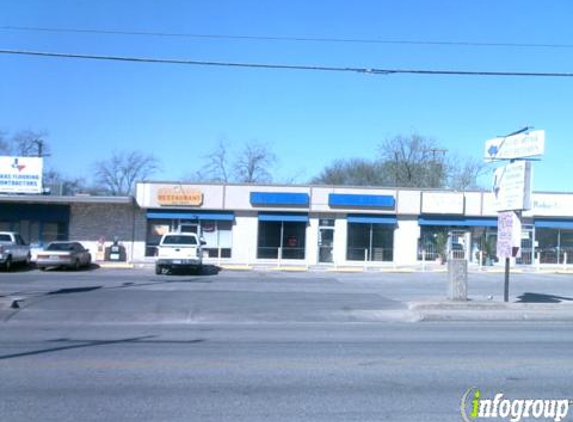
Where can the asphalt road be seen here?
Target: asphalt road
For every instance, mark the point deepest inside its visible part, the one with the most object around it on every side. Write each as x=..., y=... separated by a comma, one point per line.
x=103, y=346
x=274, y=372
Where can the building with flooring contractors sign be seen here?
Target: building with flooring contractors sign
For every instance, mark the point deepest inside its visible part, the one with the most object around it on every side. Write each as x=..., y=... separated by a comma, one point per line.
x=306, y=225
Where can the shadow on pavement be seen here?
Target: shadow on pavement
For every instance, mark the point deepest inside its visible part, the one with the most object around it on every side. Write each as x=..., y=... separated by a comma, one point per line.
x=19, y=268
x=541, y=298
x=91, y=343
x=74, y=290
x=205, y=270
x=90, y=267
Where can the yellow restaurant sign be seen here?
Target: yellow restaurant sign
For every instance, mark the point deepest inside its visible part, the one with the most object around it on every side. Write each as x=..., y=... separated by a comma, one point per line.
x=179, y=195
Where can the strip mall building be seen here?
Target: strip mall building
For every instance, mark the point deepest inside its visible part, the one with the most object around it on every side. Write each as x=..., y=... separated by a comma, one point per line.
x=298, y=225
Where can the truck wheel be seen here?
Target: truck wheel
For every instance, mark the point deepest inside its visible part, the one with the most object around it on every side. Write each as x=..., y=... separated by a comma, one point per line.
x=8, y=264
x=158, y=269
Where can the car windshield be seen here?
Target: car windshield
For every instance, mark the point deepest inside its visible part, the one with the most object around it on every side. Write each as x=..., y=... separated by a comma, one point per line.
x=180, y=240
x=60, y=247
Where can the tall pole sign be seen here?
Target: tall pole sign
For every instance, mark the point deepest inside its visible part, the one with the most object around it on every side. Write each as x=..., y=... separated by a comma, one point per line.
x=512, y=188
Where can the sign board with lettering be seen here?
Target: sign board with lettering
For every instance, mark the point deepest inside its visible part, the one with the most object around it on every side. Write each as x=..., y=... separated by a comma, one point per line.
x=512, y=186
x=443, y=203
x=21, y=174
x=179, y=195
x=509, y=235
x=521, y=145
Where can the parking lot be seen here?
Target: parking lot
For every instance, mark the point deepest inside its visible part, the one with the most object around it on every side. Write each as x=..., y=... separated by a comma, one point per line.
x=133, y=295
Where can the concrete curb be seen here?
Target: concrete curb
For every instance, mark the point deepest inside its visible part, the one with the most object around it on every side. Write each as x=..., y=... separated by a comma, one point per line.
x=237, y=267
x=116, y=265
x=8, y=303
x=491, y=311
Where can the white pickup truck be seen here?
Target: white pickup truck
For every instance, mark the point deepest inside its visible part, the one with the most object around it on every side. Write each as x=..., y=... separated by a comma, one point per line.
x=179, y=250
x=13, y=250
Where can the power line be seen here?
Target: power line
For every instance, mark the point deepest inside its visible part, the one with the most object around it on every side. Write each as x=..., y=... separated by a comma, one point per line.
x=287, y=39
x=372, y=71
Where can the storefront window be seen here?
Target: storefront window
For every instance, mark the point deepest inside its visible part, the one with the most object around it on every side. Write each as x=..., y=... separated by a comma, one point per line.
x=155, y=229
x=370, y=242
x=281, y=238
x=37, y=233
x=469, y=243
x=217, y=235
x=553, y=244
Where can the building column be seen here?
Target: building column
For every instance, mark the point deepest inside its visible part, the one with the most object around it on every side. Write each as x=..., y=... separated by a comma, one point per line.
x=406, y=238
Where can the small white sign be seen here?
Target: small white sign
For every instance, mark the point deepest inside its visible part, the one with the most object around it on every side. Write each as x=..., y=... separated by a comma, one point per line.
x=443, y=203
x=529, y=144
x=512, y=186
x=21, y=174
x=508, y=235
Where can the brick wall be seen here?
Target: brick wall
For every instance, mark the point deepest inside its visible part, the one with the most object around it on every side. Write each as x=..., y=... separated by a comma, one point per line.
x=91, y=222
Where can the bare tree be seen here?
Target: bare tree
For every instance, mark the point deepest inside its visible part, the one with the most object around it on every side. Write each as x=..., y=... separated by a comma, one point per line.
x=30, y=143
x=118, y=174
x=353, y=172
x=4, y=144
x=406, y=161
x=465, y=173
x=58, y=184
x=414, y=161
x=217, y=166
x=253, y=163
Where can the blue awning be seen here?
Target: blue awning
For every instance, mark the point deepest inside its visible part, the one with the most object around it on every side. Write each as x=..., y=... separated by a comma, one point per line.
x=370, y=201
x=553, y=224
x=372, y=219
x=190, y=215
x=461, y=221
x=288, y=217
x=279, y=198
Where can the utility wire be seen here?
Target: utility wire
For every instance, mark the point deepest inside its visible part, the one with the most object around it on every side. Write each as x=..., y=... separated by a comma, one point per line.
x=373, y=71
x=276, y=38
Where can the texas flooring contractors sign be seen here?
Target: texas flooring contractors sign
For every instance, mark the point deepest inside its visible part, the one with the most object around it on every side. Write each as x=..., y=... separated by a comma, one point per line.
x=21, y=174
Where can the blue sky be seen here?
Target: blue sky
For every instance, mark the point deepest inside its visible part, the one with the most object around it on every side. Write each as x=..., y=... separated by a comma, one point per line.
x=308, y=118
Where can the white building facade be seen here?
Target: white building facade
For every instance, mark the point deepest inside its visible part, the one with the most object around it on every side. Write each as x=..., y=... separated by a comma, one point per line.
x=344, y=226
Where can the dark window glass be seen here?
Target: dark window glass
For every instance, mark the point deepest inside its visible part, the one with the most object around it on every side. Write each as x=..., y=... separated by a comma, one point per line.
x=370, y=242
x=179, y=240
x=275, y=236
x=60, y=247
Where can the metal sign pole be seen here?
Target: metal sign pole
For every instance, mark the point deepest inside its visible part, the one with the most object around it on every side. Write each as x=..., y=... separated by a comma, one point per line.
x=506, y=286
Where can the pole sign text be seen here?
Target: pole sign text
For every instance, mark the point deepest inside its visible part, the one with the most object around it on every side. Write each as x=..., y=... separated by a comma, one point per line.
x=512, y=186
x=508, y=235
x=521, y=145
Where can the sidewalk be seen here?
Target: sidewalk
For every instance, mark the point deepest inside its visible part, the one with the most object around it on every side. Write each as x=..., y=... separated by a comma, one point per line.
x=431, y=267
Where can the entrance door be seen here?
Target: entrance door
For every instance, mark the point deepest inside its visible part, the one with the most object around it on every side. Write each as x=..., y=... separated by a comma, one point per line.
x=325, y=244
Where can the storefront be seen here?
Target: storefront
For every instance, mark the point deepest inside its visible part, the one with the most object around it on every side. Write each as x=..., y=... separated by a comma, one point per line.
x=297, y=225
x=458, y=237
x=554, y=241
x=38, y=224
x=216, y=228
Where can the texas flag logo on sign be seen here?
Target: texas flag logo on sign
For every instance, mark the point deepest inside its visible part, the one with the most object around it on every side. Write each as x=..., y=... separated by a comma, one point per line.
x=18, y=166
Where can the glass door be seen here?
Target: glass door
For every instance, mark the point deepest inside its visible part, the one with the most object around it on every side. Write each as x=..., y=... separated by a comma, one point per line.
x=325, y=244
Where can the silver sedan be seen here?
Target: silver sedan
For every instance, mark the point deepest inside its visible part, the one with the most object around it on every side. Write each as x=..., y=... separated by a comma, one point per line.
x=63, y=254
